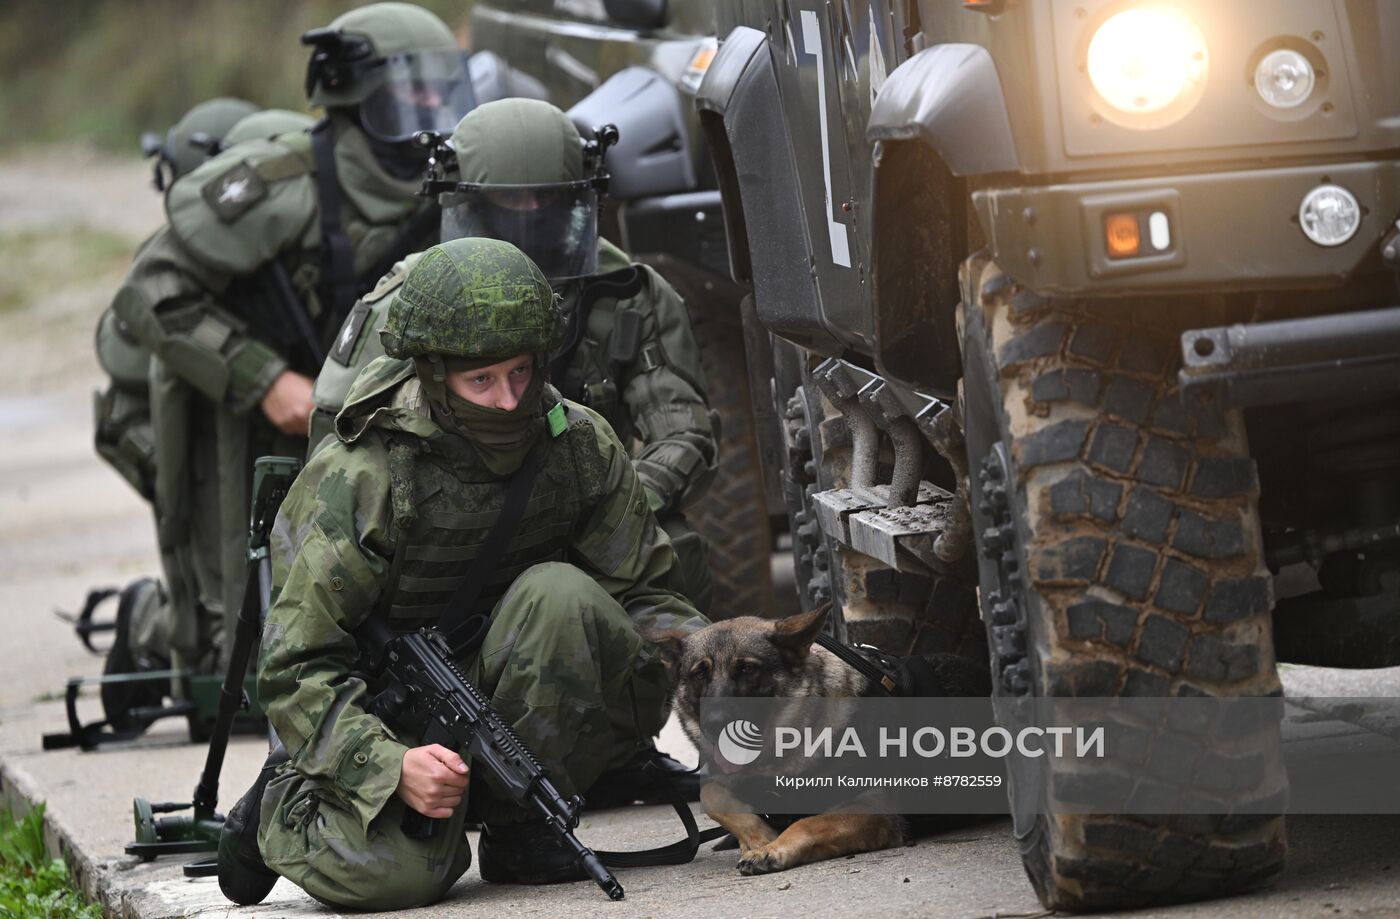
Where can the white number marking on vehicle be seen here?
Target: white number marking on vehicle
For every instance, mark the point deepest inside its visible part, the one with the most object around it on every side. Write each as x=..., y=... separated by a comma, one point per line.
x=836, y=230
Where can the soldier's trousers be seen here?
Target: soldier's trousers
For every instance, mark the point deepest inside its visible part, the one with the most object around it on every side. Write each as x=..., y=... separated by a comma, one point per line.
x=204, y=472
x=563, y=663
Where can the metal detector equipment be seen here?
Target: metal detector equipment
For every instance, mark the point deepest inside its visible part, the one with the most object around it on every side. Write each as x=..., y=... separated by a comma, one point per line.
x=198, y=831
x=136, y=693
x=85, y=623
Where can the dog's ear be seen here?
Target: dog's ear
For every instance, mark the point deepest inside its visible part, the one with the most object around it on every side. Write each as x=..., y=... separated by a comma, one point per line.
x=795, y=634
x=671, y=643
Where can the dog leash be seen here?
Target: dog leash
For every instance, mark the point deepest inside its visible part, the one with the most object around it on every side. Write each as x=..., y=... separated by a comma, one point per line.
x=680, y=852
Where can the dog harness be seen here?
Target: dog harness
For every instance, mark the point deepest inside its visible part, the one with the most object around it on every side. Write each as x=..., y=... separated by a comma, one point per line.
x=907, y=677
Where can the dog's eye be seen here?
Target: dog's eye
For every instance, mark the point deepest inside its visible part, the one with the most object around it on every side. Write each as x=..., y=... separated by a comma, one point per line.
x=745, y=668
x=700, y=671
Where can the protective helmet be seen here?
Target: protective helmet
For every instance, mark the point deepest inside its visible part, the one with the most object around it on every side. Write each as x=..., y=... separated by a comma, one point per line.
x=474, y=299
x=268, y=123
x=523, y=174
x=193, y=139
x=398, y=63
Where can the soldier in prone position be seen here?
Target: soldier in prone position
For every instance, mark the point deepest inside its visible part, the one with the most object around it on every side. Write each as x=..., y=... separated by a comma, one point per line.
x=386, y=520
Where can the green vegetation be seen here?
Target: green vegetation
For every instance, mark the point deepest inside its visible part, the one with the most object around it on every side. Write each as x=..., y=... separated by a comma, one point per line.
x=31, y=883
x=33, y=261
x=103, y=72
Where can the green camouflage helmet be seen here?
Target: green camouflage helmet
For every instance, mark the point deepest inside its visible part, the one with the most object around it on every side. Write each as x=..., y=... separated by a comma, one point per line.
x=474, y=298
x=343, y=71
x=197, y=136
x=517, y=142
x=265, y=124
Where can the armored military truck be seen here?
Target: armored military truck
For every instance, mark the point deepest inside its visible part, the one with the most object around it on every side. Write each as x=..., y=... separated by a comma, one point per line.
x=637, y=64
x=1090, y=307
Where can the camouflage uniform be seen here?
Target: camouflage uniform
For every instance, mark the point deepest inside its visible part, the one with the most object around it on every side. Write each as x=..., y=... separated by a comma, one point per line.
x=636, y=361
x=385, y=520
x=200, y=298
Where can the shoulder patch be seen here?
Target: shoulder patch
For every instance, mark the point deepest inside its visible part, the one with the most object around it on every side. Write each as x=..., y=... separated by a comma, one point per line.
x=350, y=334
x=234, y=192
x=558, y=419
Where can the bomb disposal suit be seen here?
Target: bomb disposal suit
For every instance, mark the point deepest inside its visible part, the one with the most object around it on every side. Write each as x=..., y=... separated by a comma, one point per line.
x=266, y=248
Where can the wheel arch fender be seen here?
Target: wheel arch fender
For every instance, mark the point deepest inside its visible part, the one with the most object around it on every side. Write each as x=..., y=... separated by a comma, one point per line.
x=764, y=219
x=939, y=118
x=950, y=97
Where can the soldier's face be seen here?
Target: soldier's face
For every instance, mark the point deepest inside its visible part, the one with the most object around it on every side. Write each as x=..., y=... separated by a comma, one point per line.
x=497, y=386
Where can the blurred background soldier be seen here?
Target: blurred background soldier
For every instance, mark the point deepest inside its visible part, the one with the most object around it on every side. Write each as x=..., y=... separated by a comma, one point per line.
x=265, y=250
x=123, y=434
x=123, y=415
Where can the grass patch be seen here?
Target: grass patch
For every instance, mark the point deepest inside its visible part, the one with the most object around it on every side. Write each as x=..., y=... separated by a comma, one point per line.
x=31, y=883
x=34, y=262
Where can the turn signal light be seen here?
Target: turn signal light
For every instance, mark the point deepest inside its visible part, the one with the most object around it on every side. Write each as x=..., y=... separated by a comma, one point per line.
x=1121, y=232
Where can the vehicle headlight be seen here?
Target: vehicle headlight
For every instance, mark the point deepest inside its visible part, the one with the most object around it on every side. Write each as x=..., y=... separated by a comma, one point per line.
x=1284, y=78
x=1329, y=215
x=1144, y=60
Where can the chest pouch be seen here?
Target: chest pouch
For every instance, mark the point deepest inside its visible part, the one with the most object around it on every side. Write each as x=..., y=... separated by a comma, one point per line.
x=627, y=335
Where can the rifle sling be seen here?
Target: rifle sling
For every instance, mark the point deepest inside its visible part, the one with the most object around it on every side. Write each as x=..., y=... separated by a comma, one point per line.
x=337, y=258
x=464, y=629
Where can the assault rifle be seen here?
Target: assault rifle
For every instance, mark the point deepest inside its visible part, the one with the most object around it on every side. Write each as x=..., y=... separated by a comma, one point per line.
x=424, y=679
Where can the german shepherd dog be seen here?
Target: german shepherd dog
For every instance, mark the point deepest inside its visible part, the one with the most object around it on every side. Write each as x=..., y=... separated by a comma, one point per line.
x=747, y=657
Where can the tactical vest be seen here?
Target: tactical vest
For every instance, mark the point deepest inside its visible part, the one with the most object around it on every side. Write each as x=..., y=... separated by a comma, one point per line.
x=455, y=500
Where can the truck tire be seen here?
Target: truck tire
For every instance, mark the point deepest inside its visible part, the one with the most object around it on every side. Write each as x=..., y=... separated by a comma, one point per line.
x=1120, y=554
x=732, y=515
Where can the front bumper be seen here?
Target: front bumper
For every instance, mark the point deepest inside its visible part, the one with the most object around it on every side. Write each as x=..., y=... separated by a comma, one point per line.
x=1352, y=356
x=1228, y=230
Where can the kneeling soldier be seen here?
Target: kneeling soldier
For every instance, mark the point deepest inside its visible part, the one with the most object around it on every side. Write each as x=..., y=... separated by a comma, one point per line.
x=386, y=521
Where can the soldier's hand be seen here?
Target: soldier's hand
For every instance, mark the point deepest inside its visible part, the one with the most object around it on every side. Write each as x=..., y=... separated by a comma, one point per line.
x=433, y=780
x=287, y=403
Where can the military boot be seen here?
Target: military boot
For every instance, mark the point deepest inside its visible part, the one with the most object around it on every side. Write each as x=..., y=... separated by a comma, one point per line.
x=651, y=777
x=525, y=853
x=243, y=875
